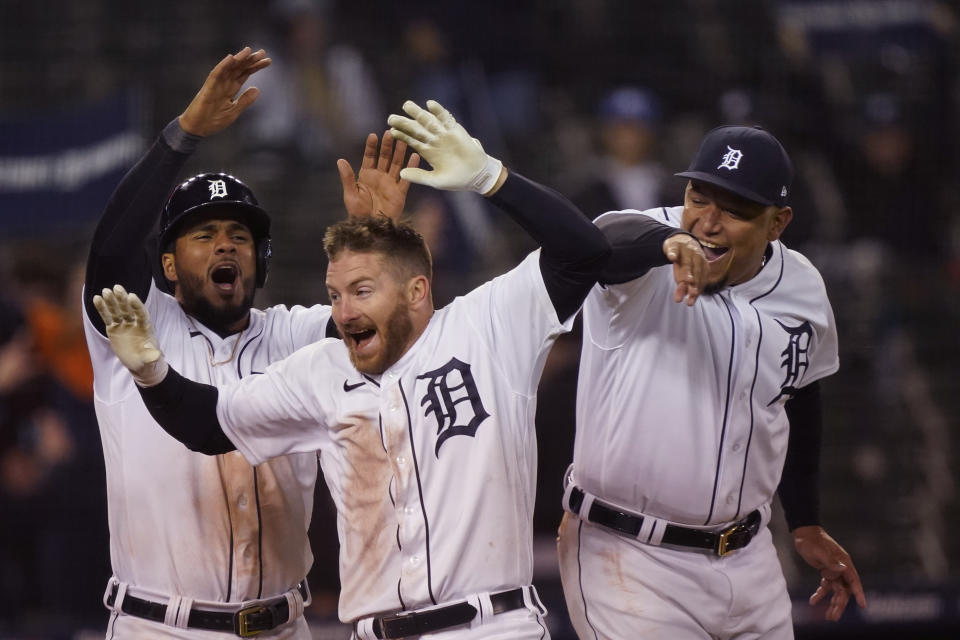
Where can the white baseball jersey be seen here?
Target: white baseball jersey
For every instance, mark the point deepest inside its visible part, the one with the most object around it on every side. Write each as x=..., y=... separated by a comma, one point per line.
x=183, y=523
x=680, y=410
x=432, y=465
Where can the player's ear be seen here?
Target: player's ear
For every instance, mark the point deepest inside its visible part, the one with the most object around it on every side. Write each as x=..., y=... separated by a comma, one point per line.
x=781, y=218
x=169, y=266
x=418, y=290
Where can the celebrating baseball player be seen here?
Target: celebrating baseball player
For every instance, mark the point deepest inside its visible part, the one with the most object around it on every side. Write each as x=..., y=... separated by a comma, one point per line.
x=686, y=413
x=207, y=544
x=424, y=416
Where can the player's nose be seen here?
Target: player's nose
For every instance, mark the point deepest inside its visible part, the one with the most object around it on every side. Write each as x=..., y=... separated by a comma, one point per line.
x=710, y=218
x=224, y=243
x=344, y=310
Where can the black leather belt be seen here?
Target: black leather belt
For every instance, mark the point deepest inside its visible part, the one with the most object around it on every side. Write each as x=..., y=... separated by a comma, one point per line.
x=737, y=536
x=415, y=623
x=246, y=622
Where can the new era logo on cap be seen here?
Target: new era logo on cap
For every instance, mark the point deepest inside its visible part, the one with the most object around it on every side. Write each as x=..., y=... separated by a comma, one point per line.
x=747, y=161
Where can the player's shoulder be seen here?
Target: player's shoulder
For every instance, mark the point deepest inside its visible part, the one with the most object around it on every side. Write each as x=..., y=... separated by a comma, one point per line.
x=307, y=322
x=800, y=264
x=283, y=311
x=666, y=215
x=329, y=350
x=800, y=275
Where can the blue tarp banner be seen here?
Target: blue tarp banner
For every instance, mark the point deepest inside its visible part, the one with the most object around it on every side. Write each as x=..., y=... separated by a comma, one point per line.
x=57, y=170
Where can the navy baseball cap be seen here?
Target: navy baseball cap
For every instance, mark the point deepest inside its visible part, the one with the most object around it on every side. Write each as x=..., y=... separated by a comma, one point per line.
x=206, y=190
x=747, y=161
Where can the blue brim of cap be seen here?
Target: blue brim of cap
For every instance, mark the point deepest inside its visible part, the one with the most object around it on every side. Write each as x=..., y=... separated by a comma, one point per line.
x=726, y=185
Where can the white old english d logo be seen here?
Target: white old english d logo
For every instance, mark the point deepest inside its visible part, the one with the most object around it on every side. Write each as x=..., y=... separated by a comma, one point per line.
x=218, y=189
x=731, y=159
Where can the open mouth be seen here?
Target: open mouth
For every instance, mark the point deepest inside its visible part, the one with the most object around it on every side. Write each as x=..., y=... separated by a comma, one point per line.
x=713, y=251
x=224, y=276
x=360, y=339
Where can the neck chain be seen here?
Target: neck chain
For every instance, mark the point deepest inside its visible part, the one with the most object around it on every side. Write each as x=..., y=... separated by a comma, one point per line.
x=233, y=352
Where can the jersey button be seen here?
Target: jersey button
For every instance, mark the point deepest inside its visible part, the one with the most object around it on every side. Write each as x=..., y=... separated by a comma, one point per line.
x=242, y=502
x=736, y=446
x=414, y=559
x=731, y=499
x=401, y=460
x=408, y=510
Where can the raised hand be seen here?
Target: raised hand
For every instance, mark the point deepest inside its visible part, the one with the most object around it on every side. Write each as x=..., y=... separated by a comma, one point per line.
x=689, y=266
x=378, y=188
x=131, y=335
x=837, y=573
x=459, y=161
x=217, y=104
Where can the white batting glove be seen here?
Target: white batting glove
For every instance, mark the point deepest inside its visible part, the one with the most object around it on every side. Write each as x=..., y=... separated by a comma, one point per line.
x=459, y=161
x=131, y=335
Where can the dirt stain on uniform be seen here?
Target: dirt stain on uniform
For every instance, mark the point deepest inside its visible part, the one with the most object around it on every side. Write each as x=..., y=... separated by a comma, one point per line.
x=368, y=516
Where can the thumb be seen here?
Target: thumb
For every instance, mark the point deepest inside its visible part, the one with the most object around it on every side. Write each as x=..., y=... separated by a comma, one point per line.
x=418, y=176
x=247, y=98
x=347, y=177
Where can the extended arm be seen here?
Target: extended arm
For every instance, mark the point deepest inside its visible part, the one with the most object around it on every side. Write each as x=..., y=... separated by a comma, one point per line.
x=799, y=492
x=640, y=243
x=573, y=251
x=122, y=248
x=185, y=409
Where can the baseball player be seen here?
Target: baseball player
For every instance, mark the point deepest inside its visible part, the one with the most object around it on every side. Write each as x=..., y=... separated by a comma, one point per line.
x=424, y=416
x=206, y=545
x=685, y=412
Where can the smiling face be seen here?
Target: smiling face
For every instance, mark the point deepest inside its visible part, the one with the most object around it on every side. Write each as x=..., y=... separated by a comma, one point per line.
x=734, y=231
x=379, y=311
x=213, y=264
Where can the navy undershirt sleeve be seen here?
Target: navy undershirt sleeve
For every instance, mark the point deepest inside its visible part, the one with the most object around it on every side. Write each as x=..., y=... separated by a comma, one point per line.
x=799, y=488
x=124, y=246
x=573, y=251
x=187, y=410
x=637, y=246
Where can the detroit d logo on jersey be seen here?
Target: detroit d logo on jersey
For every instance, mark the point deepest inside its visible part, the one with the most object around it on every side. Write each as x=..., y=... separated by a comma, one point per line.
x=795, y=359
x=454, y=401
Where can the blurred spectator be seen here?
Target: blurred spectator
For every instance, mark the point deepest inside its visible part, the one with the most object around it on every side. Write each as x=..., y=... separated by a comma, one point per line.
x=628, y=174
x=51, y=474
x=892, y=185
x=319, y=96
x=480, y=62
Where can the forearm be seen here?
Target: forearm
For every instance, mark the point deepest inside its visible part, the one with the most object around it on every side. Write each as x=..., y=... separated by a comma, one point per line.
x=799, y=488
x=636, y=242
x=122, y=250
x=573, y=250
x=187, y=410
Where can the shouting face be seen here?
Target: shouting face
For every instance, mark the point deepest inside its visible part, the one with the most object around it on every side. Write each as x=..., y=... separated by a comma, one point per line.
x=371, y=308
x=214, y=267
x=734, y=231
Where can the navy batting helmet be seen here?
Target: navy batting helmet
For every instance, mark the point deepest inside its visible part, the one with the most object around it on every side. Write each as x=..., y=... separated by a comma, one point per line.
x=206, y=190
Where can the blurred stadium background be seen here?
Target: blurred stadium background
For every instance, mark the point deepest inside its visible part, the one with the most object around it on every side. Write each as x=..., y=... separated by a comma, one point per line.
x=601, y=99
